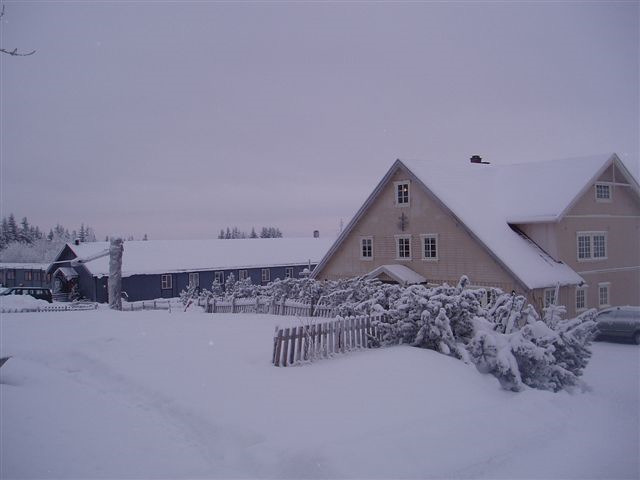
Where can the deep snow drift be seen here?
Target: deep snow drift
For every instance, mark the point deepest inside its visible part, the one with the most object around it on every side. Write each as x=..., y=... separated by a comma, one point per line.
x=183, y=395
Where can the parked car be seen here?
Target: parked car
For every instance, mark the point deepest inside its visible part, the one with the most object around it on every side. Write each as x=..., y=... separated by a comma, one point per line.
x=35, y=292
x=619, y=323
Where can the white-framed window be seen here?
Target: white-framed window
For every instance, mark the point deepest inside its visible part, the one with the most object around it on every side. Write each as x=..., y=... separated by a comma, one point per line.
x=429, y=243
x=288, y=272
x=592, y=246
x=603, y=192
x=194, y=279
x=11, y=274
x=243, y=274
x=549, y=296
x=604, y=294
x=166, y=281
x=403, y=247
x=28, y=276
x=581, y=298
x=401, y=190
x=219, y=277
x=366, y=248
x=266, y=275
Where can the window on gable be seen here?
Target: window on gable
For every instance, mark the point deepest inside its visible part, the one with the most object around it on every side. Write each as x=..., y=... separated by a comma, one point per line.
x=402, y=193
x=366, y=248
x=549, y=296
x=166, y=282
x=194, y=279
x=592, y=245
x=603, y=192
x=581, y=298
x=429, y=246
x=403, y=247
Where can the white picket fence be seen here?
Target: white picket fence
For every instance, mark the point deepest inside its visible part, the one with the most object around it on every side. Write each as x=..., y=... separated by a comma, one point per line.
x=264, y=305
x=158, y=304
x=52, y=308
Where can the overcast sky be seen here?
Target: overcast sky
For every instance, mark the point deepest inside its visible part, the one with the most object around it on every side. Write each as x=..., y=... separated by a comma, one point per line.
x=178, y=119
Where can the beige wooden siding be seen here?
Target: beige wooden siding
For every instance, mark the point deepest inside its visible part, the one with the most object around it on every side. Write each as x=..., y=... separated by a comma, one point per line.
x=458, y=253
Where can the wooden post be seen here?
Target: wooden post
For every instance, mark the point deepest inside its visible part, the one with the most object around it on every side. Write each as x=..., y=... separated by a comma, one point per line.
x=294, y=337
x=285, y=347
x=278, y=348
x=282, y=302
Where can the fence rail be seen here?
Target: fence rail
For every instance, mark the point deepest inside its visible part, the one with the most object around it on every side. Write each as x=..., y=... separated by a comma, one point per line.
x=322, y=340
x=264, y=305
x=51, y=308
x=148, y=305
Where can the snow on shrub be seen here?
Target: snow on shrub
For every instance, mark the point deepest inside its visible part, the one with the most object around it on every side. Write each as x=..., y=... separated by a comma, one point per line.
x=504, y=336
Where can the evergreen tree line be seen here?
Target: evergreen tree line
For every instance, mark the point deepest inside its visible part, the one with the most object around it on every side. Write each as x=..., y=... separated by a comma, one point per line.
x=27, y=243
x=266, y=232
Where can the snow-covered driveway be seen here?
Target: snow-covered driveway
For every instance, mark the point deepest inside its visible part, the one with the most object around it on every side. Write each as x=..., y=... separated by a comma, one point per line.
x=159, y=395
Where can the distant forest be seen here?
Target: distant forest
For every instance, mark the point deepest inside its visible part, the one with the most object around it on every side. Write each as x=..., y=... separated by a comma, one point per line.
x=266, y=232
x=23, y=242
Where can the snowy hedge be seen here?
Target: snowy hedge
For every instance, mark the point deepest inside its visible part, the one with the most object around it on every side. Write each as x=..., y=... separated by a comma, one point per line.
x=500, y=333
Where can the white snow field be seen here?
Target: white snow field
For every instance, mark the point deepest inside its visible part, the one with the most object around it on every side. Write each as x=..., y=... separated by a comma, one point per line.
x=152, y=394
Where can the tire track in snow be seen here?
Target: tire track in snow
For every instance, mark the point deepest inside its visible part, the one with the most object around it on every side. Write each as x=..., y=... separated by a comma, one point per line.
x=225, y=450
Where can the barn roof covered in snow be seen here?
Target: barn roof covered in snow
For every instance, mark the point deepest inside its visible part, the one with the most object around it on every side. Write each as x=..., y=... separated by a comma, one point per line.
x=489, y=199
x=24, y=266
x=167, y=256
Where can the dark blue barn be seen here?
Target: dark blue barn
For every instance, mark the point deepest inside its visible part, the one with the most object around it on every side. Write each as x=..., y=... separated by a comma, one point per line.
x=24, y=274
x=163, y=268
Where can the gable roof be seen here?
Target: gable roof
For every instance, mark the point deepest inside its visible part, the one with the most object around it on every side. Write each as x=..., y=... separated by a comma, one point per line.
x=487, y=198
x=170, y=256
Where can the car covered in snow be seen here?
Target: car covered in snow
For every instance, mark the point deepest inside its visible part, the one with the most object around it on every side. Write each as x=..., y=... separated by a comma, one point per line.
x=36, y=292
x=619, y=323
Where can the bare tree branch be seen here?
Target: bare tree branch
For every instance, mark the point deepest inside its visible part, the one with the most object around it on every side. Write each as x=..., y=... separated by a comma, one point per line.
x=14, y=52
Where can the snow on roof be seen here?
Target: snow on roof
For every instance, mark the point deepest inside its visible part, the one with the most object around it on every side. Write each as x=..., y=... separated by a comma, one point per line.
x=400, y=273
x=68, y=272
x=486, y=198
x=24, y=266
x=165, y=256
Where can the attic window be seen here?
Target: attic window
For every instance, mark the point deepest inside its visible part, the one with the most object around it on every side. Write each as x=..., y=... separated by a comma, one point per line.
x=603, y=192
x=402, y=193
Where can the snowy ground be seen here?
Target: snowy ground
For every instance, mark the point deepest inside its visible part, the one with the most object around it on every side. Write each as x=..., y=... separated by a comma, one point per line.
x=146, y=394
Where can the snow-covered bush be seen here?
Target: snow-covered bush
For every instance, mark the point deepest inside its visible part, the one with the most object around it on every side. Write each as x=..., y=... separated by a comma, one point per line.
x=189, y=294
x=241, y=289
x=503, y=336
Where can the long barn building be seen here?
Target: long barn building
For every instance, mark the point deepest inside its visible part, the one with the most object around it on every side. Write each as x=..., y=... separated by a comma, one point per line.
x=163, y=268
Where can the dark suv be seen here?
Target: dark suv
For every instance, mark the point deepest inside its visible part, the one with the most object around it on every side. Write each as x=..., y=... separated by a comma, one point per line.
x=621, y=323
x=36, y=292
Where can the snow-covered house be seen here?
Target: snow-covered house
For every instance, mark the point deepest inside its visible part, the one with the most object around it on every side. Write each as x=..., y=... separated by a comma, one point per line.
x=23, y=274
x=163, y=268
x=524, y=228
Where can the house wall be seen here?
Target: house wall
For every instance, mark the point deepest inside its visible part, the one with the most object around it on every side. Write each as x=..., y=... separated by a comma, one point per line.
x=458, y=252
x=620, y=219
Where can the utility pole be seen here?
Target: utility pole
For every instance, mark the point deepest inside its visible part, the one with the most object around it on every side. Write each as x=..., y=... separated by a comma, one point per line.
x=115, y=273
